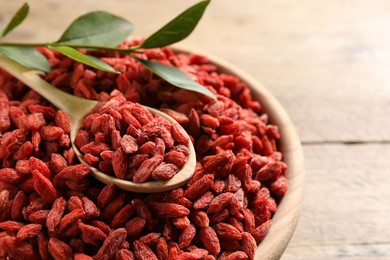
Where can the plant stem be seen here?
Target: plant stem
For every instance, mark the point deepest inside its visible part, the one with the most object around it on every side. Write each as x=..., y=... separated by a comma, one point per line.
x=76, y=46
x=17, y=44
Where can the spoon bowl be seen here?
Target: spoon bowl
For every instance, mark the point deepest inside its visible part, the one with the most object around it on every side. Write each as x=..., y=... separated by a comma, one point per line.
x=78, y=108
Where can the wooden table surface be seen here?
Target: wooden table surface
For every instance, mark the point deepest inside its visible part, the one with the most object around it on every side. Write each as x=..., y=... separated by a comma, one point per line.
x=328, y=63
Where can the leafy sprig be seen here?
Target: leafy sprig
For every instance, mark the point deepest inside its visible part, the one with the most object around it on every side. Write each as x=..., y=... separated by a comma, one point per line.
x=101, y=30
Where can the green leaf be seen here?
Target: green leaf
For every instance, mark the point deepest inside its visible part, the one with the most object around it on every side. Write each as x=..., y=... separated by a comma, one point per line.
x=97, y=28
x=86, y=59
x=26, y=56
x=17, y=19
x=177, y=29
x=175, y=76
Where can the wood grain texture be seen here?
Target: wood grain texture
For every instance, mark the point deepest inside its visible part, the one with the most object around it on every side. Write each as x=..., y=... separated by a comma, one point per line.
x=328, y=64
x=346, y=207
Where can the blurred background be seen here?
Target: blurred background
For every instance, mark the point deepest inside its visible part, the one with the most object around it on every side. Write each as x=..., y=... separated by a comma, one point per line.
x=327, y=62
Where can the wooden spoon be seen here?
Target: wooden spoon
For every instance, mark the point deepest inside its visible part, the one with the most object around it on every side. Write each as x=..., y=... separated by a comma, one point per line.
x=78, y=108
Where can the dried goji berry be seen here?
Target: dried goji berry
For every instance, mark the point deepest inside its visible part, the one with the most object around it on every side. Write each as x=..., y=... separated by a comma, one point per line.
x=227, y=232
x=134, y=226
x=55, y=213
x=248, y=245
x=164, y=171
x=220, y=202
x=91, y=232
x=210, y=240
x=199, y=187
x=28, y=231
x=150, y=239
x=143, y=252
x=259, y=232
x=186, y=236
x=168, y=210
x=111, y=244
x=146, y=169
x=10, y=175
x=44, y=187
x=123, y=216
x=161, y=249
x=59, y=249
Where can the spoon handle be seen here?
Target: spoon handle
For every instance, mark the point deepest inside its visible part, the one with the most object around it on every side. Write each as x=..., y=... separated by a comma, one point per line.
x=71, y=104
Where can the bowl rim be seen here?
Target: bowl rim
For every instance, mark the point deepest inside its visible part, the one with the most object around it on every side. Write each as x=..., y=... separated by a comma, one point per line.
x=285, y=219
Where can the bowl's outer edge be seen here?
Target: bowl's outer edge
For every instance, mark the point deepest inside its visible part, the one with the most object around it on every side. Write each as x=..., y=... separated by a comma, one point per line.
x=286, y=217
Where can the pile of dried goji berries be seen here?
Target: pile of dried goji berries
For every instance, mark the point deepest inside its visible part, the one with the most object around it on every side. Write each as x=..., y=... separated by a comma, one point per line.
x=51, y=207
x=126, y=140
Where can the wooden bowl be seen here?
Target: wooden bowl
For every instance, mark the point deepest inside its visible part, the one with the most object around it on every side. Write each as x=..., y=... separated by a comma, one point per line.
x=286, y=217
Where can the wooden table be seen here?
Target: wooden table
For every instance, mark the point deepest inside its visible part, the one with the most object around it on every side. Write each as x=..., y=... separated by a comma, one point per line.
x=328, y=63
